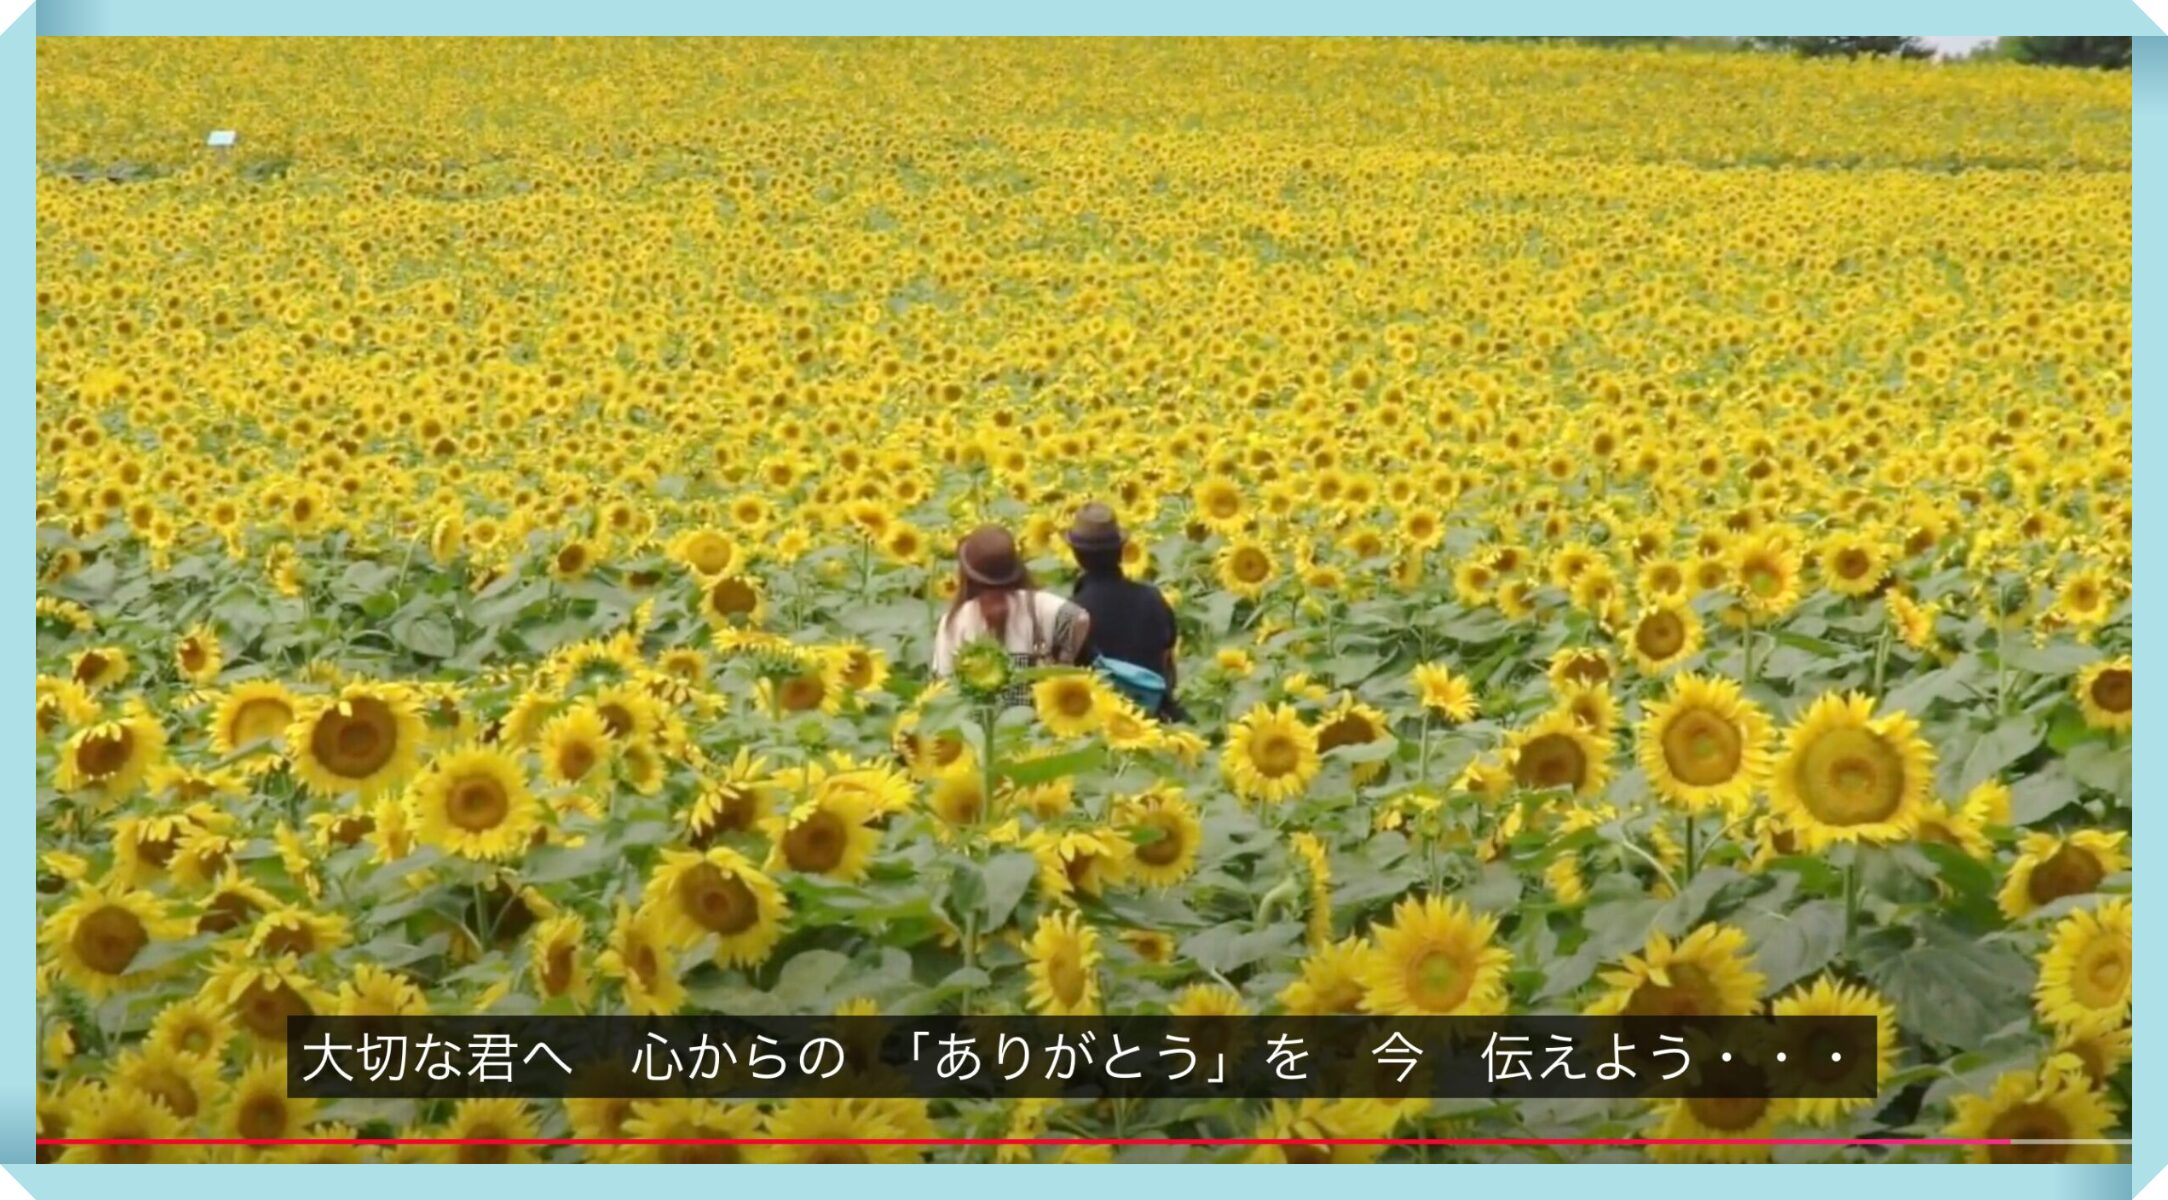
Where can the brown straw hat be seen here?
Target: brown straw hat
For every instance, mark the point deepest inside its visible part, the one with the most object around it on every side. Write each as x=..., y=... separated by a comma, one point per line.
x=988, y=556
x=1095, y=528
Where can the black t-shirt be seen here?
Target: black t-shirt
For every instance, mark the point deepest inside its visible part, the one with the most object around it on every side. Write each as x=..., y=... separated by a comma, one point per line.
x=1130, y=621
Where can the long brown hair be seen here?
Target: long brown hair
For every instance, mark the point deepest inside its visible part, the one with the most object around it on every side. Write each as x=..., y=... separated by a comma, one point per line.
x=994, y=602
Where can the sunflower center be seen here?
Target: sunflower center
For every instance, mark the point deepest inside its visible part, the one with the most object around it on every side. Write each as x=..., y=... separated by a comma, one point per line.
x=557, y=969
x=103, y=753
x=265, y=1009
x=1853, y=563
x=731, y=598
x=1660, y=635
x=1852, y=777
x=575, y=759
x=2102, y=978
x=89, y=667
x=616, y=719
x=2034, y=1123
x=356, y=739
x=261, y=718
x=646, y=965
x=1275, y=754
x=2111, y=690
x=816, y=844
x=1350, y=730
x=1729, y=1114
x=1551, y=761
x=1073, y=700
x=1702, y=748
x=290, y=939
x=1164, y=850
x=719, y=903
x=477, y=804
x=1250, y=566
x=1691, y=993
x=109, y=939
x=166, y=1086
x=1065, y=978
x=2070, y=871
x=802, y=693
x=1438, y=981
x=261, y=1116
x=226, y=910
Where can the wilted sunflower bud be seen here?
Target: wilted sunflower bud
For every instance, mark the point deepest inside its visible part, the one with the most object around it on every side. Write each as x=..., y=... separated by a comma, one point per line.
x=982, y=669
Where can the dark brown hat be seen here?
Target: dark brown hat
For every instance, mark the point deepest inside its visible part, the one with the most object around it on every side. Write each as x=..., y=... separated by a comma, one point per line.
x=988, y=556
x=1095, y=528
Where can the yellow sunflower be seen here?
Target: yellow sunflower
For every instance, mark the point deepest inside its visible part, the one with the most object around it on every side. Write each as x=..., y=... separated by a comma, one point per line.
x=1708, y=973
x=1070, y=704
x=111, y=758
x=1166, y=832
x=2049, y=867
x=718, y=892
x=474, y=803
x=557, y=962
x=1331, y=981
x=259, y=710
x=1849, y=775
x=1436, y=958
x=1444, y=693
x=574, y=743
x=830, y=834
x=360, y=739
x=1666, y=634
x=2051, y=1111
x=1271, y=755
x=1063, y=967
x=1246, y=568
x=96, y=939
x=1704, y=745
x=639, y=957
x=2085, y=975
x=198, y=655
x=2104, y=694
x=1826, y=997
x=1556, y=751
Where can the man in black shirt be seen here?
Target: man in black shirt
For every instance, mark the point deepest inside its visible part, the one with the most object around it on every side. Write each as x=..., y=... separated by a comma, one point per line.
x=1130, y=621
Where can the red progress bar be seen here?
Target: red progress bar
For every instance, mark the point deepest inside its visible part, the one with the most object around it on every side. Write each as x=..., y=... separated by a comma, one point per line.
x=1081, y=1141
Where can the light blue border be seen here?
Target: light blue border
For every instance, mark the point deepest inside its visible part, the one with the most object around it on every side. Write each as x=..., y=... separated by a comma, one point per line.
x=2149, y=167
x=1615, y=1182
x=1139, y=17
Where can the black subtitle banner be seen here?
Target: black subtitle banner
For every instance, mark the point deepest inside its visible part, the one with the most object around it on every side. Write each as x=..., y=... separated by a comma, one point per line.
x=1080, y=1058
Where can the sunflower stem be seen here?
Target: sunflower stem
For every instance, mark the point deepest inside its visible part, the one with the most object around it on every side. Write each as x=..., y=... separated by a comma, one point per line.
x=1881, y=659
x=1851, y=899
x=1692, y=823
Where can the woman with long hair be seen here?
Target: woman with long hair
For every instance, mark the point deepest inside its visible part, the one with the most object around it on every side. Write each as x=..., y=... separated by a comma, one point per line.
x=996, y=598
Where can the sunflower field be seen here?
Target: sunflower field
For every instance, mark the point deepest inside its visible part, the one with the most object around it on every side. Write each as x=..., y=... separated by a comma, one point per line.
x=1650, y=531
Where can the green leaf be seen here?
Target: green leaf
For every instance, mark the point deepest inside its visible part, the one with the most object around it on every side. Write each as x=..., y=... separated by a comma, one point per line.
x=1998, y=748
x=1818, y=647
x=1967, y=876
x=1228, y=948
x=1947, y=987
x=429, y=634
x=804, y=981
x=1790, y=946
x=2042, y=794
x=555, y=864
x=1006, y=877
x=1031, y=771
x=1365, y=752
x=2102, y=766
x=2053, y=659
